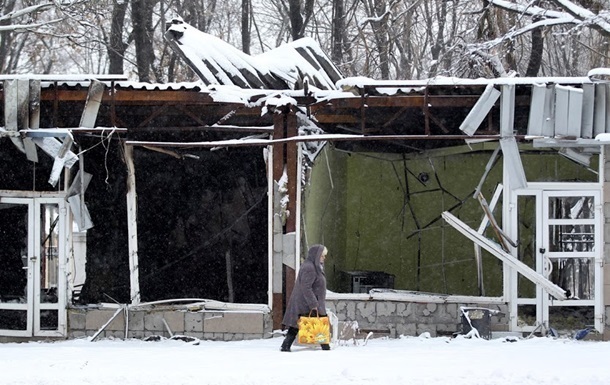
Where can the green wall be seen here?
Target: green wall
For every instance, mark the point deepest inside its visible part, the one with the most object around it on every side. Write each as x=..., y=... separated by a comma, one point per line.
x=374, y=213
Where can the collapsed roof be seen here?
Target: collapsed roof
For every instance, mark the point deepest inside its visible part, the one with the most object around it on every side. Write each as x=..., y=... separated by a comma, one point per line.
x=296, y=65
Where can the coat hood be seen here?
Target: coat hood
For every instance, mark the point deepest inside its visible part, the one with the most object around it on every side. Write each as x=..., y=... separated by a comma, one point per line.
x=314, y=254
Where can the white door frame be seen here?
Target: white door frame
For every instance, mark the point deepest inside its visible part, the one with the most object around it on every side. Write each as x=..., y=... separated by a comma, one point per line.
x=542, y=192
x=34, y=304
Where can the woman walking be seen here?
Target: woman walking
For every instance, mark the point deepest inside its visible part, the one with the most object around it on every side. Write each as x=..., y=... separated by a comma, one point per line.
x=308, y=295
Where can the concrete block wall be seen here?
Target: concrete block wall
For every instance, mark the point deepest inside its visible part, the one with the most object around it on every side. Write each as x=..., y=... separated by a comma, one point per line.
x=208, y=325
x=384, y=318
x=395, y=318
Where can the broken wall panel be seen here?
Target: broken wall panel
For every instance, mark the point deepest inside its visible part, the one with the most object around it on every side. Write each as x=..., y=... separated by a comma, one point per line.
x=568, y=111
x=107, y=268
x=601, y=110
x=202, y=225
x=588, y=111
x=480, y=110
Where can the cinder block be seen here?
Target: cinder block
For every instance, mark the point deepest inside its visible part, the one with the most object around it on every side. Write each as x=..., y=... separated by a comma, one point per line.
x=95, y=319
x=233, y=322
x=175, y=321
x=214, y=336
x=195, y=334
x=136, y=321
x=115, y=334
x=193, y=322
x=77, y=334
x=252, y=337
x=154, y=322
x=138, y=334
x=77, y=320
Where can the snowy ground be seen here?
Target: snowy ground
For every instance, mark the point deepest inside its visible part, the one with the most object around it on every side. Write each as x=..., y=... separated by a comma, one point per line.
x=409, y=360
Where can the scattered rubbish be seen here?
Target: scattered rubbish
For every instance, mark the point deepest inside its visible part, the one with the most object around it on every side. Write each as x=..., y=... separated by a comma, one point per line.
x=187, y=339
x=476, y=322
x=582, y=333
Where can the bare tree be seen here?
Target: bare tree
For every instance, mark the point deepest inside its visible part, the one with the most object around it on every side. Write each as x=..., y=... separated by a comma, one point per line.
x=116, y=45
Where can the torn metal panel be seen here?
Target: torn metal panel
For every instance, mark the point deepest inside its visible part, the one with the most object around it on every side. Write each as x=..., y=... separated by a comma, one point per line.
x=34, y=104
x=11, y=114
x=588, y=108
x=568, y=111
x=600, y=110
x=542, y=111
x=80, y=212
x=575, y=112
x=505, y=257
x=23, y=104
x=92, y=105
x=577, y=155
x=65, y=146
x=75, y=196
x=288, y=250
x=562, y=100
x=507, y=110
x=53, y=147
x=512, y=164
x=31, y=151
x=480, y=110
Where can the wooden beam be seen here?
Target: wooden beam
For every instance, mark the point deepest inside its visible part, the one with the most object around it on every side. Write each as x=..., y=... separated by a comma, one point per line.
x=122, y=96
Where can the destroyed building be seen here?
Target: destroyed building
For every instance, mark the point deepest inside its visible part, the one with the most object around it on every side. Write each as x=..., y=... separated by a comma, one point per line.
x=133, y=209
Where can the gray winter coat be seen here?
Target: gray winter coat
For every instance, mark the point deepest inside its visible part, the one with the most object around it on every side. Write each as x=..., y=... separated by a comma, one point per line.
x=309, y=290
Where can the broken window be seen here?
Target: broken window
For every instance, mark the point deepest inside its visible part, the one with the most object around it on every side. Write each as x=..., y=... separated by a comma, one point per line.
x=202, y=225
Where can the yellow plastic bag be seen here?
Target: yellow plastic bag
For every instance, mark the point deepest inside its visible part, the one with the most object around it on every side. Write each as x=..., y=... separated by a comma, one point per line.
x=313, y=330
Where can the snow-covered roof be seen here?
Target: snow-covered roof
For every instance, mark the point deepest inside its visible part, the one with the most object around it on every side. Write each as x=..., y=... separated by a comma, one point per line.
x=296, y=65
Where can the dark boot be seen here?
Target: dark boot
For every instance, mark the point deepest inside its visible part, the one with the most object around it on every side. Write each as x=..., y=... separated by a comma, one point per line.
x=325, y=346
x=291, y=334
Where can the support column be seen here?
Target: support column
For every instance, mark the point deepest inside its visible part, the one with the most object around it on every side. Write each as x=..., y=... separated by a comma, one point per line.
x=291, y=220
x=132, y=227
x=606, y=239
x=285, y=178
